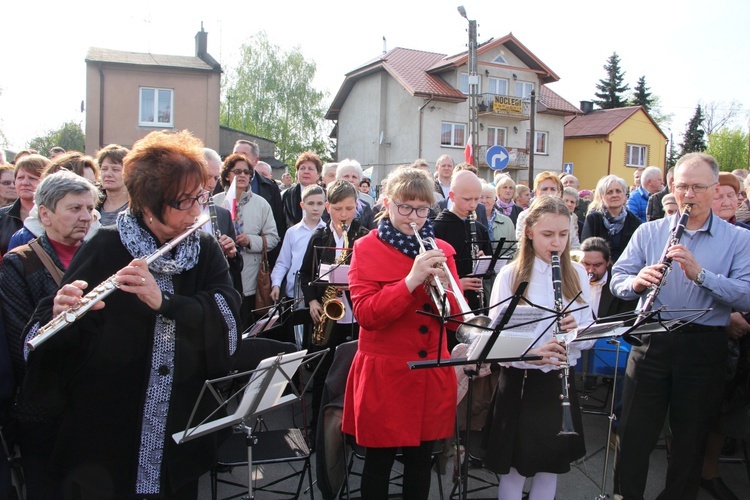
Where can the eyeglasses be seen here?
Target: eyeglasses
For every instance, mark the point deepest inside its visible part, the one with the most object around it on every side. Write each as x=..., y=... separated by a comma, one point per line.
x=187, y=203
x=697, y=188
x=7, y=183
x=406, y=210
x=241, y=171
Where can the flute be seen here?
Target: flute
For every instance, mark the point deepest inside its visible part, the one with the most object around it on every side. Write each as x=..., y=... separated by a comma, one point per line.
x=103, y=290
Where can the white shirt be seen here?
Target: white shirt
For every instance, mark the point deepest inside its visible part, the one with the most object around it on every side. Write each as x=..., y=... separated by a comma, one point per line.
x=290, y=257
x=596, y=294
x=541, y=292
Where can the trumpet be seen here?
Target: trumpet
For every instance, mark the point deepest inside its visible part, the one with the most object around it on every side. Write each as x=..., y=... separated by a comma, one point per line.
x=567, y=428
x=103, y=290
x=435, y=290
x=473, y=324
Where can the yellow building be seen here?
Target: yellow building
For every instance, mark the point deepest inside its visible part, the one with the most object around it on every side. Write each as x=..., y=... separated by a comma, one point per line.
x=612, y=141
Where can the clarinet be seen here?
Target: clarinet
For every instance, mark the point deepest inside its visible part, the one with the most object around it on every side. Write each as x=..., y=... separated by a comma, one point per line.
x=475, y=253
x=567, y=428
x=103, y=290
x=673, y=240
x=214, y=218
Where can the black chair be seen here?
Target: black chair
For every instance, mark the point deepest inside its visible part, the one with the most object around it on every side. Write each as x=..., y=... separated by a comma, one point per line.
x=274, y=446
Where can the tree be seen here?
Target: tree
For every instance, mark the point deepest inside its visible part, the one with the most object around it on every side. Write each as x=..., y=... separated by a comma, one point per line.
x=270, y=94
x=672, y=156
x=641, y=95
x=70, y=137
x=693, y=139
x=719, y=115
x=729, y=147
x=661, y=119
x=611, y=89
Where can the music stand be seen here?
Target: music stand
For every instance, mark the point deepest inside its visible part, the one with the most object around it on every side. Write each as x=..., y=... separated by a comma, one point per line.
x=264, y=391
x=335, y=274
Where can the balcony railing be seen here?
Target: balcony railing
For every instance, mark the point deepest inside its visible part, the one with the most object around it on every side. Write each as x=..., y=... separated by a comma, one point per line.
x=505, y=105
x=519, y=157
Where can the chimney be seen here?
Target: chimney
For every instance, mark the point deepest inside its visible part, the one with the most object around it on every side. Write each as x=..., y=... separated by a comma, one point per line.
x=587, y=107
x=201, y=43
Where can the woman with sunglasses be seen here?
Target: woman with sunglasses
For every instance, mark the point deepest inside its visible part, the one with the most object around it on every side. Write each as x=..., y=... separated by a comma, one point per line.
x=130, y=373
x=253, y=223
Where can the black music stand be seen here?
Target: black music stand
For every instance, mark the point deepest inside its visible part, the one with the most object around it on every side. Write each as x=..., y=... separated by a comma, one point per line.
x=264, y=391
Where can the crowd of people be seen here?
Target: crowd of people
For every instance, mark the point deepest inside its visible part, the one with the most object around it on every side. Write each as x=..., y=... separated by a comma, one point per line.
x=72, y=221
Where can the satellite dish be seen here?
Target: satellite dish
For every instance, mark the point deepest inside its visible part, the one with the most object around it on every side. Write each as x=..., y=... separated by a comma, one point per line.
x=380, y=141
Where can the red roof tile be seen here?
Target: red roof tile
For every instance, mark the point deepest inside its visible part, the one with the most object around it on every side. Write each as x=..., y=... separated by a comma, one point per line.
x=408, y=67
x=601, y=122
x=553, y=102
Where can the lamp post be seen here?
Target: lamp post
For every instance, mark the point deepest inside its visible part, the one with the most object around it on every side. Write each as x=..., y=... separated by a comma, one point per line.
x=473, y=85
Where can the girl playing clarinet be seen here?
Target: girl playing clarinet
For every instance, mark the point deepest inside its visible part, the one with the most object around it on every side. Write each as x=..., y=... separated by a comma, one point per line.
x=386, y=404
x=527, y=416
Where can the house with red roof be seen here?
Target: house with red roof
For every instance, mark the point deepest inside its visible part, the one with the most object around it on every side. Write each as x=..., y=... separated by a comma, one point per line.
x=409, y=104
x=612, y=141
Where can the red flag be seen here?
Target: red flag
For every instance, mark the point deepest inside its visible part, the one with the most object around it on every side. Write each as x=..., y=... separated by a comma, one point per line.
x=469, y=152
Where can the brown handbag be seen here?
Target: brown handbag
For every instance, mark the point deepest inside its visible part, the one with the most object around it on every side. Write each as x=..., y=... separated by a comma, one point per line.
x=263, y=298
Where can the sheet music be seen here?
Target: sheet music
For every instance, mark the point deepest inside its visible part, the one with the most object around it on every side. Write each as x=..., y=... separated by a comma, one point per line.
x=503, y=348
x=334, y=273
x=518, y=326
x=482, y=264
x=262, y=325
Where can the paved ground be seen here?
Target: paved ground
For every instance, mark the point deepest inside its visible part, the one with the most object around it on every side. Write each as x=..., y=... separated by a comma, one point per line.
x=582, y=482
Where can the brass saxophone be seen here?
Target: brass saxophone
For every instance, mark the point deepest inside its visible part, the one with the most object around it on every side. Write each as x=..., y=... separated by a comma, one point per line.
x=333, y=308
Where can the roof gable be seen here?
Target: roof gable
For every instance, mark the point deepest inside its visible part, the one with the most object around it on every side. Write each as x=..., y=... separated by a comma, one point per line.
x=603, y=122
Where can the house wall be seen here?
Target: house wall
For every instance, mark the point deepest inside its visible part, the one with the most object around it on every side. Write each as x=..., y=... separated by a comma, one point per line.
x=196, y=103
x=637, y=129
x=590, y=159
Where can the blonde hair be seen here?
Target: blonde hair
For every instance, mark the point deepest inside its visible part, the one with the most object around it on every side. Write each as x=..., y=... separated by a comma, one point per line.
x=548, y=176
x=524, y=262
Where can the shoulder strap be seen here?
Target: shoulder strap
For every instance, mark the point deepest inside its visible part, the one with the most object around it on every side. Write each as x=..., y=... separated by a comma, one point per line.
x=55, y=271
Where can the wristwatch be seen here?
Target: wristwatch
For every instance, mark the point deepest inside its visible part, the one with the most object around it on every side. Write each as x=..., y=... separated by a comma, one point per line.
x=700, y=278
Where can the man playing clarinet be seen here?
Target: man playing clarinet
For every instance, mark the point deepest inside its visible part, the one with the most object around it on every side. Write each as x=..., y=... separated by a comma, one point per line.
x=682, y=370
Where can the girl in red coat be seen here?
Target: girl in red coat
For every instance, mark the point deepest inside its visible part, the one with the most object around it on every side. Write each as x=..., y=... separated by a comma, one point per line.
x=388, y=406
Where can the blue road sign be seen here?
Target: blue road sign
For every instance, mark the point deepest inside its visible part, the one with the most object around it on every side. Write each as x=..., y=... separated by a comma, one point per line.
x=497, y=157
x=568, y=168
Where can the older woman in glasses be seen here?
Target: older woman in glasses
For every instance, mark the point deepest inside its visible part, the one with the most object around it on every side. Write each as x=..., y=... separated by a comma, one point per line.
x=7, y=185
x=253, y=222
x=129, y=374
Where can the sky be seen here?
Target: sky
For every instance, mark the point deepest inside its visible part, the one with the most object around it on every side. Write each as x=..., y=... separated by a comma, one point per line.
x=690, y=51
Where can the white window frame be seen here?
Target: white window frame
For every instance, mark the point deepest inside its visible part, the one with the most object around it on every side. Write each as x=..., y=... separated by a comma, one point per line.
x=542, y=134
x=499, y=59
x=522, y=86
x=156, y=122
x=640, y=150
x=494, y=131
x=453, y=127
x=492, y=89
x=463, y=84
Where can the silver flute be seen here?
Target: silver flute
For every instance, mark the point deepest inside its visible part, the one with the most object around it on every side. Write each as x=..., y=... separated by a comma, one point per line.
x=103, y=290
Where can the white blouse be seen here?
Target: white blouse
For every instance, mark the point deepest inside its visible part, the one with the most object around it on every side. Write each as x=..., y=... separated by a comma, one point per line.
x=541, y=292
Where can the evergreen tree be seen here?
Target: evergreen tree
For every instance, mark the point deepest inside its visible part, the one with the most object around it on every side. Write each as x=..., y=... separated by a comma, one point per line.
x=694, y=140
x=672, y=156
x=611, y=89
x=641, y=95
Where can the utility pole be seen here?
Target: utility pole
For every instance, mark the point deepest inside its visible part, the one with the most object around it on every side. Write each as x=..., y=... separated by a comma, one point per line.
x=532, y=137
x=473, y=86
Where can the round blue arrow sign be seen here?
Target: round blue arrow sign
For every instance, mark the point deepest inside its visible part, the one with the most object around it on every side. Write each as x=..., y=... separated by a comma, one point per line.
x=497, y=157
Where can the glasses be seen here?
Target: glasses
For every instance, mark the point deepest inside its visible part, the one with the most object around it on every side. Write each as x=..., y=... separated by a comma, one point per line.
x=6, y=183
x=697, y=188
x=406, y=210
x=241, y=171
x=187, y=203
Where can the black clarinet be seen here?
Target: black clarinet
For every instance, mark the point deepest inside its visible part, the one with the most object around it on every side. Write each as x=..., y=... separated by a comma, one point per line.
x=673, y=240
x=214, y=218
x=475, y=254
x=567, y=428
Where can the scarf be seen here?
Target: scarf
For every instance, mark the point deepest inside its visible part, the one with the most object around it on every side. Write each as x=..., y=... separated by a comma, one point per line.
x=505, y=208
x=614, y=224
x=239, y=224
x=140, y=243
x=405, y=244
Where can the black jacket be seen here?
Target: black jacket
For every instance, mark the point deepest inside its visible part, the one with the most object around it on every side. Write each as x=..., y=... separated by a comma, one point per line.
x=594, y=226
x=480, y=210
x=654, y=209
x=290, y=202
x=10, y=222
x=226, y=226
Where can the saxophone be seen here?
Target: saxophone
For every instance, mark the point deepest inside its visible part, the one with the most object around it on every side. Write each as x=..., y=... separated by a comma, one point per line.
x=333, y=307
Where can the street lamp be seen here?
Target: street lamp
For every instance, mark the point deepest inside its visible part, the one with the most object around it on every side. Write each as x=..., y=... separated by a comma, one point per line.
x=473, y=85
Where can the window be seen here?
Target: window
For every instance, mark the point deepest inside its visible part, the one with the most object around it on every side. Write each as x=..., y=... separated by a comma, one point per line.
x=500, y=59
x=496, y=136
x=540, y=146
x=636, y=155
x=523, y=89
x=156, y=107
x=453, y=134
x=464, y=84
x=498, y=86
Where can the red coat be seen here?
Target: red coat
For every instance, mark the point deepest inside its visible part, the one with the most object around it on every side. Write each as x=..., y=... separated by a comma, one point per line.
x=386, y=404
